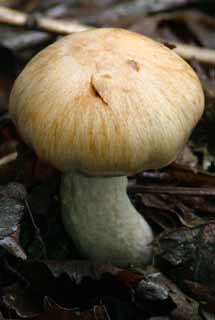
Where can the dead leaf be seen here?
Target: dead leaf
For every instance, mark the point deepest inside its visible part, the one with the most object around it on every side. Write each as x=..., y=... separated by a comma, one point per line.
x=188, y=254
x=11, y=211
x=55, y=312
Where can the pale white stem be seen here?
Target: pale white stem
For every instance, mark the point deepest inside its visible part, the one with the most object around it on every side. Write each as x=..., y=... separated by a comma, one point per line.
x=102, y=222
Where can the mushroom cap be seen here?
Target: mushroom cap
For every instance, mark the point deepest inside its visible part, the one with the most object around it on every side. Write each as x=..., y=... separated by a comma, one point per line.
x=106, y=102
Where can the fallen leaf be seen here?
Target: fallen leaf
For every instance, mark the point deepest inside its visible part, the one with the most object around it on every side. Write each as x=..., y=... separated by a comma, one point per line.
x=11, y=212
x=188, y=254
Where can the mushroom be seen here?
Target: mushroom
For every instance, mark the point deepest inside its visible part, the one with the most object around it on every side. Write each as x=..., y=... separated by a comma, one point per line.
x=100, y=105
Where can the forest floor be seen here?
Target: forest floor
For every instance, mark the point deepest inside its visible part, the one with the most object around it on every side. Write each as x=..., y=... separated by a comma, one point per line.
x=42, y=276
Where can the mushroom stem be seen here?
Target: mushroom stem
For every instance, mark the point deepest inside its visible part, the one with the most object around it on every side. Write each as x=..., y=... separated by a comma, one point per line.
x=104, y=225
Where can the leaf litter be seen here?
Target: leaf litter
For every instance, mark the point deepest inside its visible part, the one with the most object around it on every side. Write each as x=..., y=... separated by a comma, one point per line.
x=178, y=201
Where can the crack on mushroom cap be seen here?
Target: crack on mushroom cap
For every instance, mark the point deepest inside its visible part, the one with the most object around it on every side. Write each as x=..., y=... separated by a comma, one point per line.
x=96, y=92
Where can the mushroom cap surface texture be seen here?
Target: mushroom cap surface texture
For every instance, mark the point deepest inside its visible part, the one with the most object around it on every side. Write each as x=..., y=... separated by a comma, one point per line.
x=106, y=102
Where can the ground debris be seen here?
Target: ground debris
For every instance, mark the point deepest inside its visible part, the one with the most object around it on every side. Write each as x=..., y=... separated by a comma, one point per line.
x=181, y=306
x=188, y=255
x=178, y=201
x=11, y=212
x=82, y=285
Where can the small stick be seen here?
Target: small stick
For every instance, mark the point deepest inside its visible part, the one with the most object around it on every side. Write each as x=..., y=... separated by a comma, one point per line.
x=186, y=191
x=8, y=158
x=189, y=52
x=152, y=176
x=39, y=23
x=37, y=230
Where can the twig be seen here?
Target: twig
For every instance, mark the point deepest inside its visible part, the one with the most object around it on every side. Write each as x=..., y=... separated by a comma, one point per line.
x=39, y=23
x=8, y=158
x=186, y=191
x=155, y=176
x=192, y=52
x=37, y=230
